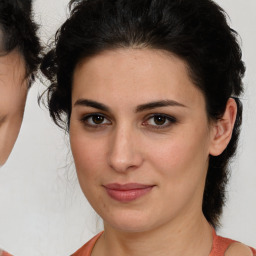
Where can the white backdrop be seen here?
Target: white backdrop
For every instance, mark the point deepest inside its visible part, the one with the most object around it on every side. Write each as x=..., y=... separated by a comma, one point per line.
x=42, y=210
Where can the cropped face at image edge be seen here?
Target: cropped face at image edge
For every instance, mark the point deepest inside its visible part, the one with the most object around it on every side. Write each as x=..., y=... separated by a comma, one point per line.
x=140, y=136
x=13, y=87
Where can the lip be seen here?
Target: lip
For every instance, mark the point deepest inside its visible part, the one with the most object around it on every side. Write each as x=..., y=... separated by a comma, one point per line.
x=127, y=192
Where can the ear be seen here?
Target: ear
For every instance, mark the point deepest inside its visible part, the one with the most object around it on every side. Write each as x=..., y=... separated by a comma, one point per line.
x=222, y=129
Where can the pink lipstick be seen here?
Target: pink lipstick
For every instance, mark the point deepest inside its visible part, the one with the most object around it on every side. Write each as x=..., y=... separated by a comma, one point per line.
x=127, y=192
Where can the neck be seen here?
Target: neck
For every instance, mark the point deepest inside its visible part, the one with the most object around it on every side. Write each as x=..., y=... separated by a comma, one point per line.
x=191, y=238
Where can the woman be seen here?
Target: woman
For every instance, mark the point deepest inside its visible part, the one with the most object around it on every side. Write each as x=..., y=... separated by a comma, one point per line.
x=148, y=91
x=19, y=59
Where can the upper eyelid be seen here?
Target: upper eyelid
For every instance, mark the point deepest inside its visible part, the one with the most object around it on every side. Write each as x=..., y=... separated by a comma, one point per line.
x=96, y=113
x=161, y=114
x=93, y=114
x=87, y=116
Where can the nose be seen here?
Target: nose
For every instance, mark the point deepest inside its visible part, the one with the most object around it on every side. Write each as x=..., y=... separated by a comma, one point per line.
x=124, y=153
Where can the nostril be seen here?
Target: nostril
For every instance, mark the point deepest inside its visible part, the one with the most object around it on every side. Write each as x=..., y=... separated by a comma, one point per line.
x=123, y=153
x=124, y=160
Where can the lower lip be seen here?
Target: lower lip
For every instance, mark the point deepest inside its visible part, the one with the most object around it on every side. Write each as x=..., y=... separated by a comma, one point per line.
x=127, y=195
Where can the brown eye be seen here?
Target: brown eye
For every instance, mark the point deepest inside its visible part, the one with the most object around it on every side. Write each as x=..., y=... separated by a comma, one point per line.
x=97, y=119
x=159, y=120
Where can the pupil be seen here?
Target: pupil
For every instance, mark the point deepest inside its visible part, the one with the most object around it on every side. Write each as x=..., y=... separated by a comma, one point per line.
x=98, y=119
x=159, y=120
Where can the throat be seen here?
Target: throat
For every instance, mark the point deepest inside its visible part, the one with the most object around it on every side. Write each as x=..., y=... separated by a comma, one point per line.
x=179, y=242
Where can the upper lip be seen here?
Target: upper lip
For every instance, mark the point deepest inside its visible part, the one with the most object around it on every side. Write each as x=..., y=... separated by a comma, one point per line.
x=127, y=186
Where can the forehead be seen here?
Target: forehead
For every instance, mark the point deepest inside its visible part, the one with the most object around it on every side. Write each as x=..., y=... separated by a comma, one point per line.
x=134, y=74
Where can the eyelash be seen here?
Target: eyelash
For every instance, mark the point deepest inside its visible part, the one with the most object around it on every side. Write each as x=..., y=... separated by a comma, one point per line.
x=169, y=119
x=85, y=120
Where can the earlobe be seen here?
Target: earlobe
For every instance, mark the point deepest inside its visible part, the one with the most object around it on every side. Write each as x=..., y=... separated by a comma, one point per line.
x=222, y=129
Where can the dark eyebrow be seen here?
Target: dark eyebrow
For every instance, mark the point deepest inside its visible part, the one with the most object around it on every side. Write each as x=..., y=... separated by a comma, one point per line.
x=140, y=108
x=157, y=104
x=91, y=103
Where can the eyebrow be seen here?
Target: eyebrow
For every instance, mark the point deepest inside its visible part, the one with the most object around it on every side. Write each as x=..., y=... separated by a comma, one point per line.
x=91, y=103
x=159, y=104
x=140, y=108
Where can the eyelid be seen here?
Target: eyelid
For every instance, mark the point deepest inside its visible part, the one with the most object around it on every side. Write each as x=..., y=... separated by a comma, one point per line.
x=84, y=120
x=171, y=120
x=169, y=117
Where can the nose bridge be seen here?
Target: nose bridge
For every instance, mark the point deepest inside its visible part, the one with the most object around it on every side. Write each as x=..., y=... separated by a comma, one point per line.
x=123, y=153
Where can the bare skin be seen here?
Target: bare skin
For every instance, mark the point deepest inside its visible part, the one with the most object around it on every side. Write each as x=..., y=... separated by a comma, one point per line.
x=13, y=93
x=238, y=249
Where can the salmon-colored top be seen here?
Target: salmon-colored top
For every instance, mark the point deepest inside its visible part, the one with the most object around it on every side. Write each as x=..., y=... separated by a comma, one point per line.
x=86, y=250
x=219, y=246
x=3, y=253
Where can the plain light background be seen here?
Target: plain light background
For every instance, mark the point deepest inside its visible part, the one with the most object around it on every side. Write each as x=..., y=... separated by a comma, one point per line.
x=42, y=210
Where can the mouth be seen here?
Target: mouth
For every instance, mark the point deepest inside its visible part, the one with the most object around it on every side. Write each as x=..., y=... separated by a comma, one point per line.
x=127, y=192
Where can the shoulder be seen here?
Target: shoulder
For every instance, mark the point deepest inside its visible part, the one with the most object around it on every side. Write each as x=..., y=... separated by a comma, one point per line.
x=238, y=249
x=223, y=246
x=86, y=249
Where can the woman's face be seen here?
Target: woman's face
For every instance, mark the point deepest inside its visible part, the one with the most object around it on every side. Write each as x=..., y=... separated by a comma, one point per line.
x=13, y=92
x=140, y=138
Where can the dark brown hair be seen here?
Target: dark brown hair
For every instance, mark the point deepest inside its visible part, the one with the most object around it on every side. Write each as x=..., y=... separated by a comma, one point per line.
x=195, y=31
x=18, y=31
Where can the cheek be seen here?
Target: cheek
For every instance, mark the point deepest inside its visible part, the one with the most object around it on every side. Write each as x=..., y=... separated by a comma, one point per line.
x=180, y=166
x=183, y=157
x=88, y=155
x=90, y=166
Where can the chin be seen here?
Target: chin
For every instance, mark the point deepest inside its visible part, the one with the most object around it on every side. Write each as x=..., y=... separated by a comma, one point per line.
x=130, y=227
x=129, y=221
